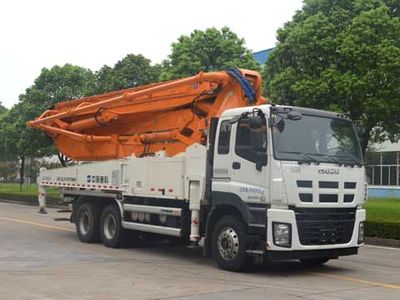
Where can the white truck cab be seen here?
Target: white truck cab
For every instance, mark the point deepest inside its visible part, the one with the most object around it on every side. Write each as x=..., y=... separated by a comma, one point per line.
x=311, y=183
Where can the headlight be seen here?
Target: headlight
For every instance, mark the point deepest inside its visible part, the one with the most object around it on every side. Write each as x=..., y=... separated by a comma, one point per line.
x=361, y=232
x=282, y=234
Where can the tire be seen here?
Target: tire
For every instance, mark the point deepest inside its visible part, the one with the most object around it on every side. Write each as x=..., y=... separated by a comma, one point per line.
x=314, y=261
x=87, y=222
x=111, y=232
x=228, y=244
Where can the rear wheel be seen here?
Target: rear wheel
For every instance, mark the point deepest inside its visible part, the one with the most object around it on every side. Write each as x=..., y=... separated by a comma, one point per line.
x=87, y=223
x=111, y=231
x=228, y=243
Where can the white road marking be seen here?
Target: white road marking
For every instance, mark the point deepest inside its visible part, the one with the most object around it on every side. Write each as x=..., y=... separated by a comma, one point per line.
x=36, y=224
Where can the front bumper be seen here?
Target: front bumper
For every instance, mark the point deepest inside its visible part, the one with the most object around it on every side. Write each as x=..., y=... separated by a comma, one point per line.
x=309, y=254
x=288, y=216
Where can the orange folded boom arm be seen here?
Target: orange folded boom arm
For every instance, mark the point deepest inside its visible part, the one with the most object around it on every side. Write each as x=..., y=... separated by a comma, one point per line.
x=166, y=116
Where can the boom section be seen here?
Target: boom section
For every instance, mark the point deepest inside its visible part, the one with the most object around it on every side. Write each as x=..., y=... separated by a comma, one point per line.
x=168, y=116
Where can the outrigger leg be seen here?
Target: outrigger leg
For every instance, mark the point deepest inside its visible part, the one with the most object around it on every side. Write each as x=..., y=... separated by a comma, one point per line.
x=42, y=193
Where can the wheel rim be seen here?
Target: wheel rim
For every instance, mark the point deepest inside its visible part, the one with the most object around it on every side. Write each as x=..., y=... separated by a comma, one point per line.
x=228, y=243
x=109, y=226
x=84, y=223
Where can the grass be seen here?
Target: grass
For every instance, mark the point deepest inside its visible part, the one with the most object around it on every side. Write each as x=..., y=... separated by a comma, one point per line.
x=383, y=209
x=29, y=193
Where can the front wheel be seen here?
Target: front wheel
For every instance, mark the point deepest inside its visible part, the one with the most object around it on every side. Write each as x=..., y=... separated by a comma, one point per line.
x=228, y=243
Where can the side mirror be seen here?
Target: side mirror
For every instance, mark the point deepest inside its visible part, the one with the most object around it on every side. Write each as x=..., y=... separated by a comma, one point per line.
x=279, y=119
x=280, y=125
x=294, y=115
x=258, y=148
x=262, y=160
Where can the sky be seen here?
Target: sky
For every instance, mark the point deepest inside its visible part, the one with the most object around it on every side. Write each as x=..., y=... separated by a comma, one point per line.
x=92, y=33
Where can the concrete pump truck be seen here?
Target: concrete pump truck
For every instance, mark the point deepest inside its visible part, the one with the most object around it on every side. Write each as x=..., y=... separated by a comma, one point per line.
x=206, y=159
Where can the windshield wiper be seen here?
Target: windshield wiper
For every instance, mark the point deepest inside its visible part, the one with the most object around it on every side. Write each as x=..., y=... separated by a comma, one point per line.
x=330, y=158
x=339, y=162
x=308, y=157
x=334, y=159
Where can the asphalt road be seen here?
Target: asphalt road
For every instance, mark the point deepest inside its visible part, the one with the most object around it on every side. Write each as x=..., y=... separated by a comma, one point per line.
x=43, y=259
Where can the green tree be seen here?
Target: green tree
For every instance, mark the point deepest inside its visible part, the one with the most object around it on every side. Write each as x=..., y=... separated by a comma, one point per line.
x=7, y=171
x=51, y=86
x=209, y=50
x=18, y=141
x=59, y=84
x=3, y=112
x=343, y=56
x=3, y=109
x=131, y=71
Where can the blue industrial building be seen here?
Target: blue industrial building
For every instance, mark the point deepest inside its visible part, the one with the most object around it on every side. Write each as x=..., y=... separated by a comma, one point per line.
x=262, y=56
x=383, y=170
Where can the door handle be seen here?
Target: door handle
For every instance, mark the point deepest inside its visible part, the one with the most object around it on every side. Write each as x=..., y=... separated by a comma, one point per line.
x=236, y=165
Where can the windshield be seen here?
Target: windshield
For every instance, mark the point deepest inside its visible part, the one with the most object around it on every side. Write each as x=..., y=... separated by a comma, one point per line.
x=316, y=139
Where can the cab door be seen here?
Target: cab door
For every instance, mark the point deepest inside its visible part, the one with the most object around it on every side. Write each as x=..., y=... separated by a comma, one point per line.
x=221, y=177
x=249, y=161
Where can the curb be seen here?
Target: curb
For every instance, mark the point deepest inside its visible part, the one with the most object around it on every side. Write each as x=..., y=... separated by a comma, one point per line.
x=382, y=242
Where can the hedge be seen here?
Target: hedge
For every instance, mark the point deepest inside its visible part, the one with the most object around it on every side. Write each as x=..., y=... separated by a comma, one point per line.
x=382, y=229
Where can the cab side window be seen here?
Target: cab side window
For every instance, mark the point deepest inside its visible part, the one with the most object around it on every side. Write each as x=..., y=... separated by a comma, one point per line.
x=245, y=146
x=224, y=138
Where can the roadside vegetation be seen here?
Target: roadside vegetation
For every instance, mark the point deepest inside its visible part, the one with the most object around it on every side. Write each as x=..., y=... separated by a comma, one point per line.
x=28, y=194
x=383, y=218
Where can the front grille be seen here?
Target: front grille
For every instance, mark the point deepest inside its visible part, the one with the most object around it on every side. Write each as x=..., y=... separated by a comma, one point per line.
x=328, y=184
x=328, y=198
x=304, y=183
x=305, y=197
x=325, y=226
x=326, y=191
x=348, y=198
x=350, y=185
